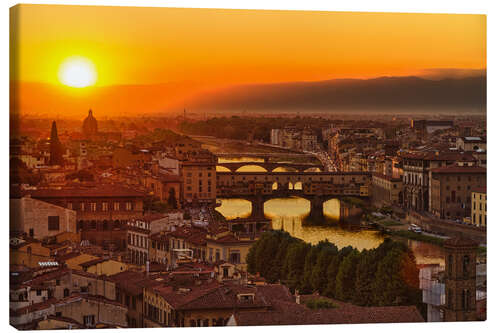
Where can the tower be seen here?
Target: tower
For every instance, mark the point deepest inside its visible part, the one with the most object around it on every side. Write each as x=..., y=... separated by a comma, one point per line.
x=56, y=149
x=460, y=279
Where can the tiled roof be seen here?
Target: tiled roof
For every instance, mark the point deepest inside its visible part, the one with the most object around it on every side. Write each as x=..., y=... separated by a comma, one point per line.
x=459, y=169
x=82, y=192
x=439, y=156
x=479, y=189
x=133, y=282
x=93, y=262
x=290, y=313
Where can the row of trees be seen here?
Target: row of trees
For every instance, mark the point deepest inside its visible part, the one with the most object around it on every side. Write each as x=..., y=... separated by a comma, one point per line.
x=384, y=276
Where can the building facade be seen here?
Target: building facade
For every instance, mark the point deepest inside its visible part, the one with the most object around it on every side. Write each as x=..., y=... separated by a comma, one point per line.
x=451, y=189
x=386, y=190
x=39, y=219
x=478, y=206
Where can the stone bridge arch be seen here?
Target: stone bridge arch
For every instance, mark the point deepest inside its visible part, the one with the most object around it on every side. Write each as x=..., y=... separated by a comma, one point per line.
x=260, y=166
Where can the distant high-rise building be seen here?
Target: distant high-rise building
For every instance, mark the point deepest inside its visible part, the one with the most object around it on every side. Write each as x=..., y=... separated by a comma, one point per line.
x=56, y=149
x=89, y=126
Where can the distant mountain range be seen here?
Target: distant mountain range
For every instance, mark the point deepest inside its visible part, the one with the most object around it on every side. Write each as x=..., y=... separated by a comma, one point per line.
x=383, y=93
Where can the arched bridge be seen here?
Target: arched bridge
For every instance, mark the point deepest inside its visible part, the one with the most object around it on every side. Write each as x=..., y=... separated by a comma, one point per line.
x=318, y=187
x=271, y=166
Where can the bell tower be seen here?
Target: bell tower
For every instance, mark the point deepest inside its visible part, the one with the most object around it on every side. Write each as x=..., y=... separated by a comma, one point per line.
x=460, y=279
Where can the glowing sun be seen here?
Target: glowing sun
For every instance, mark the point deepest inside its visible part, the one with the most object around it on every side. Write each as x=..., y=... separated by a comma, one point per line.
x=77, y=72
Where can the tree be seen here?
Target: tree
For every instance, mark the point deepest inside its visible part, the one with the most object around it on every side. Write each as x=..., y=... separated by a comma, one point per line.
x=319, y=278
x=396, y=279
x=365, y=272
x=294, y=264
x=331, y=275
x=310, y=262
x=21, y=174
x=344, y=289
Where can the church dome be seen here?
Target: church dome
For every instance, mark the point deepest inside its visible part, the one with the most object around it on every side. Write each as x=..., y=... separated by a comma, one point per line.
x=90, y=125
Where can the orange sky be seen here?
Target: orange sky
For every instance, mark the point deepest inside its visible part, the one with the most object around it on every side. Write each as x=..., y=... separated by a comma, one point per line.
x=206, y=48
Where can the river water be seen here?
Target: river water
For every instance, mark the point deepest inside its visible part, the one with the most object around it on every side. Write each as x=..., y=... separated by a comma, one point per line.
x=288, y=214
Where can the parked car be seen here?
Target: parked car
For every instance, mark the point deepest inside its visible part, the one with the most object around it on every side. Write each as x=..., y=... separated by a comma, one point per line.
x=415, y=228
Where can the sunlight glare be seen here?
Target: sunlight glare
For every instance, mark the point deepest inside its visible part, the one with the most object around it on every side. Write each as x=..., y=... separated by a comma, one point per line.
x=77, y=72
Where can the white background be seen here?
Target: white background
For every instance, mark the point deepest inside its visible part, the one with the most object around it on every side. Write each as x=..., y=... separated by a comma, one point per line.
x=417, y=6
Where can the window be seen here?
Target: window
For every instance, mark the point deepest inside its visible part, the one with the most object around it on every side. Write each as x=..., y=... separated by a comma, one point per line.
x=82, y=206
x=31, y=232
x=234, y=257
x=465, y=299
x=53, y=223
x=70, y=205
x=89, y=320
x=465, y=266
x=93, y=206
x=128, y=205
x=38, y=292
x=105, y=207
x=116, y=206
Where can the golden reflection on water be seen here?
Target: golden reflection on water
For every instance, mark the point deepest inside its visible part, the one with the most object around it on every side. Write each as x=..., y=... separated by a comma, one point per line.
x=287, y=214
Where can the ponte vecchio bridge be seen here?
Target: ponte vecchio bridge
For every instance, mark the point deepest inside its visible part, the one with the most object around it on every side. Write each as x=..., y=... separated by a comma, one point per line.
x=317, y=187
x=271, y=166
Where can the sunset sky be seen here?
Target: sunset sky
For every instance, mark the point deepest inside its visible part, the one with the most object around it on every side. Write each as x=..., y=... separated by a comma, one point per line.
x=187, y=50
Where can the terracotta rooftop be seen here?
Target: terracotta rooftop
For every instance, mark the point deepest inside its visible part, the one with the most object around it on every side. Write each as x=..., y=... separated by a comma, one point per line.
x=82, y=192
x=133, y=282
x=223, y=296
x=291, y=313
x=439, y=156
x=479, y=189
x=93, y=262
x=459, y=169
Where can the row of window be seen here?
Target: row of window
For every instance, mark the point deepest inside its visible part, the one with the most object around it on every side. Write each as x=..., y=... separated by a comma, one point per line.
x=479, y=221
x=104, y=206
x=480, y=206
x=138, y=240
x=480, y=196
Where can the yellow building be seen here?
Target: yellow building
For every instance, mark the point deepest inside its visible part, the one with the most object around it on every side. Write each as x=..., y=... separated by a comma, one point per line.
x=228, y=247
x=30, y=253
x=73, y=260
x=478, y=207
x=104, y=266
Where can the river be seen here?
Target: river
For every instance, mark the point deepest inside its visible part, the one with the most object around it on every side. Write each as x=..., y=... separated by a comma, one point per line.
x=288, y=214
